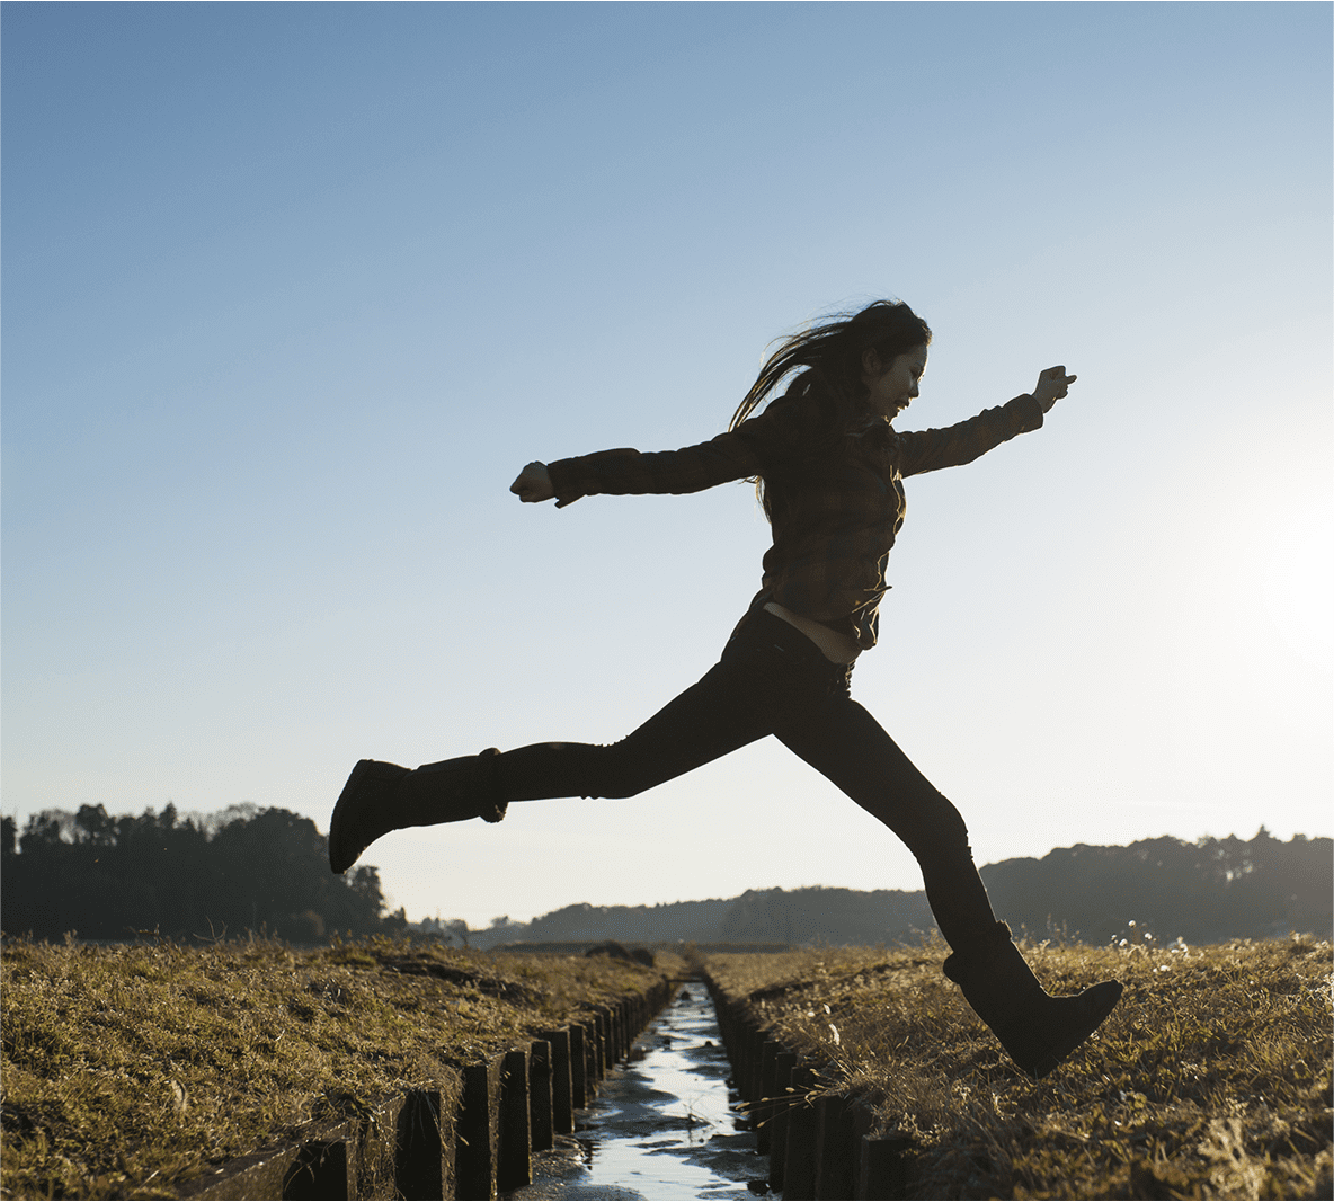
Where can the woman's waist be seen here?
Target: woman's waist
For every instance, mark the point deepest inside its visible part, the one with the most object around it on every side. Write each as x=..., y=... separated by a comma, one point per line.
x=835, y=645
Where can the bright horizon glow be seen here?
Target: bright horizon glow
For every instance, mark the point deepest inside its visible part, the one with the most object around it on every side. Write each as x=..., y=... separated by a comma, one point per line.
x=292, y=292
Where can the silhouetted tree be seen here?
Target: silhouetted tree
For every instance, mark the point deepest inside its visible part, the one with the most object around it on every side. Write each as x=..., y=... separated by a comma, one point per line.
x=108, y=877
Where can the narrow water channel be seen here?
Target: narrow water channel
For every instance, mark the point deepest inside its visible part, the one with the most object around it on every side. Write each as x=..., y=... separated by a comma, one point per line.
x=662, y=1128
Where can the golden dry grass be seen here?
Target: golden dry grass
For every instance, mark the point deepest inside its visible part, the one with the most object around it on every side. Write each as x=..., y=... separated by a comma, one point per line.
x=128, y=1071
x=1211, y=1080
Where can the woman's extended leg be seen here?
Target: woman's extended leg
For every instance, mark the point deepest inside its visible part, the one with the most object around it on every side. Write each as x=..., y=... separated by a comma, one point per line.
x=762, y=680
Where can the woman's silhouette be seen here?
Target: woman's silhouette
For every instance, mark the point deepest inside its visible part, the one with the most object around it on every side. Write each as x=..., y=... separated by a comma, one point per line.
x=830, y=468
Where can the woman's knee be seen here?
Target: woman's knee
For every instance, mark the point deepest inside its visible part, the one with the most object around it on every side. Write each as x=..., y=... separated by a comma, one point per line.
x=931, y=828
x=942, y=836
x=611, y=772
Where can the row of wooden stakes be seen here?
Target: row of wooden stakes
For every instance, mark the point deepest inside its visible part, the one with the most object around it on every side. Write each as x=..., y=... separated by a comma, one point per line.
x=468, y=1140
x=821, y=1148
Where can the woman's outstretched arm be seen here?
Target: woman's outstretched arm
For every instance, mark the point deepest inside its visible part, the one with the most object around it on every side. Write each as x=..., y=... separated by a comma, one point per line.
x=955, y=445
x=625, y=471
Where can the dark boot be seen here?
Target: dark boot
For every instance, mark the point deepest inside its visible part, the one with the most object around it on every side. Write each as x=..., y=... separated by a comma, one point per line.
x=1037, y=1031
x=379, y=797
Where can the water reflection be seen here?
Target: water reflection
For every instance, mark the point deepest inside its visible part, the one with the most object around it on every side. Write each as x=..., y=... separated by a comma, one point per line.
x=663, y=1126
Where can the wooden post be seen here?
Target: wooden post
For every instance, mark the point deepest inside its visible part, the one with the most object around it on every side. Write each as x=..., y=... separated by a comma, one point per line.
x=516, y=1148
x=799, y=1164
x=562, y=1080
x=579, y=1092
x=784, y=1064
x=478, y=1131
x=422, y=1168
x=883, y=1172
x=836, y=1150
x=603, y=1021
x=321, y=1172
x=539, y=1096
x=765, y=1109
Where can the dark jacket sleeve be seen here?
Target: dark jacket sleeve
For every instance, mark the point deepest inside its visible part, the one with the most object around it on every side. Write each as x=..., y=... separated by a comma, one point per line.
x=745, y=451
x=930, y=450
x=627, y=471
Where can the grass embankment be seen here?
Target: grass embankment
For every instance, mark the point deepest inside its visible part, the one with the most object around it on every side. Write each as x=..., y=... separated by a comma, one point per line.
x=128, y=1071
x=1212, y=1079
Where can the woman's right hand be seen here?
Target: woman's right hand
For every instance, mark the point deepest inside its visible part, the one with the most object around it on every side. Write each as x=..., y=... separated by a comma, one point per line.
x=1052, y=386
x=533, y=484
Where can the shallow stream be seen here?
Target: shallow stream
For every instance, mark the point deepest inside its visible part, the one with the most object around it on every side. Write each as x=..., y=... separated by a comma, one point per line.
x=663, y=1126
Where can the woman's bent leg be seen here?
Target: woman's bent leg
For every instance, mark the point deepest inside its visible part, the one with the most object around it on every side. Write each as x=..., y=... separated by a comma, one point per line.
x=843, y=742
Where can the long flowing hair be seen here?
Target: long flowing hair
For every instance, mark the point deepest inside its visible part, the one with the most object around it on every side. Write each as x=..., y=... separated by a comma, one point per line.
x=829, y=356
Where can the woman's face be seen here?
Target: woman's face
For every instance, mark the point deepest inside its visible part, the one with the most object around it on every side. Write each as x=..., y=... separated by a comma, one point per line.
x=893, y=386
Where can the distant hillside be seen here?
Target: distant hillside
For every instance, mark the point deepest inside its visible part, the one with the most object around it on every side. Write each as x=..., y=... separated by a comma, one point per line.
x=1205, y=891
x=809, y=915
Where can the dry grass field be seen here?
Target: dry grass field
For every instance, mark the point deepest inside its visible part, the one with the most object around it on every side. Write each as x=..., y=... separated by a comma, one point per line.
x=1211, y=1080
x=128, y=1071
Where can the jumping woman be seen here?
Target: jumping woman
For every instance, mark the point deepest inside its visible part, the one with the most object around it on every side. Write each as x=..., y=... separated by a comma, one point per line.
x=830, y=467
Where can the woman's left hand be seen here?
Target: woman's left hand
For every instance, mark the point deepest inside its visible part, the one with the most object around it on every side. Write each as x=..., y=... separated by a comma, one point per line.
x=533, y=484
x=1053, y=383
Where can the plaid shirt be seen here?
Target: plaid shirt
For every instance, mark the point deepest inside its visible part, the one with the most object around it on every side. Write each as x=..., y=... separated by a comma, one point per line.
x=835, y=502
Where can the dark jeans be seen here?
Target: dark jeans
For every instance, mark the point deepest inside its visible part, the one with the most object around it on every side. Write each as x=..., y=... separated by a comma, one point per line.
x=771, y=679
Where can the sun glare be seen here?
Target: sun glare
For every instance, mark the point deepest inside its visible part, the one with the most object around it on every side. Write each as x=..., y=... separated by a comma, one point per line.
x=1299, y=581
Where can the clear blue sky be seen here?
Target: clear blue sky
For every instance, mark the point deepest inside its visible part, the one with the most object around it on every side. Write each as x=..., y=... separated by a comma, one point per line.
x=291, y=292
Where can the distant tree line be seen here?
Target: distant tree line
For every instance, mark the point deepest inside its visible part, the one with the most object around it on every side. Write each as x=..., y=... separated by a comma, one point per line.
x=1205, y=891
x=247, y=869
x=223, y=875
